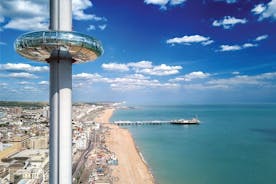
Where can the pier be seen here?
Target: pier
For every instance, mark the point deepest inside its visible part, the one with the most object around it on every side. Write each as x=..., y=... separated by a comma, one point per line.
x=127, y=123
x=193, y=121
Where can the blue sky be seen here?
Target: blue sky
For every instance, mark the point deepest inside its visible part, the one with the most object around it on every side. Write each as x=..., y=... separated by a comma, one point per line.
x=156, y=51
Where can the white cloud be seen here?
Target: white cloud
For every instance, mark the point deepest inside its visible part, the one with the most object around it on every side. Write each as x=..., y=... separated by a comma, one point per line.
x=23, y=67
x=228, y=22
x=34, y=14
x=86, y=76
x=115, y=66
x=24, y=24
x=144, y=67
x=248, y=45
x=91, y=27
x=24, y=9
x=236, y=73
x=23, y=75
x=204, y=87
x=157, y=2
x=90, y=77
x=138, y=81
x=3, y=84
x=265, y=11
x=224, y=48
x=128, y=82
x=87, y=79
x=102, y=27
x=24, y=82
x=237, y=81
x=78, y=7
x=161, y=70
x=266, y=76
x=25, y=15
x=262, y=37
x=44, y=83
x=270, y=10
x=190, y=39
x=164, y=3
x=136, y=85
x=191, y=76
x=140, y=64
x=132, y=82
x=260, y=80
x=228, y=1
x=176, y=2
x=30, y=89
x=258, y=9
x=82, y=16
x=231, y=1
x=207, y=42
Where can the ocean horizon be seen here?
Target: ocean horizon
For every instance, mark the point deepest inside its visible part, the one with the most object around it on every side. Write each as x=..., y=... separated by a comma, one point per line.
x=233, y=143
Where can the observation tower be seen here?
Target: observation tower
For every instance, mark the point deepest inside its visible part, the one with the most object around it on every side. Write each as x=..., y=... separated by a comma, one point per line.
x=60, y=47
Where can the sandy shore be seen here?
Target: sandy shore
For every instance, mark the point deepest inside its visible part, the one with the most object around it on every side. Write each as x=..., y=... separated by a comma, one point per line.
x=131, y=168
x=105, y=116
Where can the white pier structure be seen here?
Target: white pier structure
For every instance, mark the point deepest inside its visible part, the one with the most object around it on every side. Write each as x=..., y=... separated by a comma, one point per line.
x=127, y=123
x=193, y=121
x=60, y=47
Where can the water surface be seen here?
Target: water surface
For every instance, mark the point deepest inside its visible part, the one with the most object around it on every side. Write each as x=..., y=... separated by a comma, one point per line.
x=234, y=144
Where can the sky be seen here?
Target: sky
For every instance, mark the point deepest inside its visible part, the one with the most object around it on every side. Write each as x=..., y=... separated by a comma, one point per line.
x=155, y=51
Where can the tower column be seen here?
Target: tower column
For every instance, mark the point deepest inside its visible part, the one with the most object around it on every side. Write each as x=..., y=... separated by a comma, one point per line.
x=65, y=120
x=54, y=126
x=60, y=98
x=60, y=117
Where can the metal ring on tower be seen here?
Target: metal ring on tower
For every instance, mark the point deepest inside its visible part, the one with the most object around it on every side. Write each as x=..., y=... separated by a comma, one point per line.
x=40, y=45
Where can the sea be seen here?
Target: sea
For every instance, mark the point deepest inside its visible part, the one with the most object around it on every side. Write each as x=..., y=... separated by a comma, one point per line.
x=234, y=144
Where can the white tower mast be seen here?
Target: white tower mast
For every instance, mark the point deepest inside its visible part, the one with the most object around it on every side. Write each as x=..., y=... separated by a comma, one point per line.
x=60, y=98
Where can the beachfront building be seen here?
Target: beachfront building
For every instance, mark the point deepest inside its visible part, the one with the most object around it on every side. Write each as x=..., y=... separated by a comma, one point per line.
x=40, y=142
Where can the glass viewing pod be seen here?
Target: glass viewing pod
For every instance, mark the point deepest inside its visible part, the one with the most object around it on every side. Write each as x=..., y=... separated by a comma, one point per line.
x=39, y=45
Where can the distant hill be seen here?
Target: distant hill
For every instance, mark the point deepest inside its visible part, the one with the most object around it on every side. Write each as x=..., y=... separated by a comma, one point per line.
x=22, y=104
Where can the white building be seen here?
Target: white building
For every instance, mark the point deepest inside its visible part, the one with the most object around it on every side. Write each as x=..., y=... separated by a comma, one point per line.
x=82, y=142
x=1, y=146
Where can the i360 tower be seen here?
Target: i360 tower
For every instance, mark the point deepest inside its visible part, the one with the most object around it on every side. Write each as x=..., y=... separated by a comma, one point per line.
x=60, y=47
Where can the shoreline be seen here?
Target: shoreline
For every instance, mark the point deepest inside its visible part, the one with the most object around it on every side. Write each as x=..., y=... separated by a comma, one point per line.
x=145, y=162
x=132, y=167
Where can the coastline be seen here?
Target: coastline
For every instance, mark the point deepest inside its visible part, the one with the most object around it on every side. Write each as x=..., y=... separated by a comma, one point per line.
x=132, y=168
